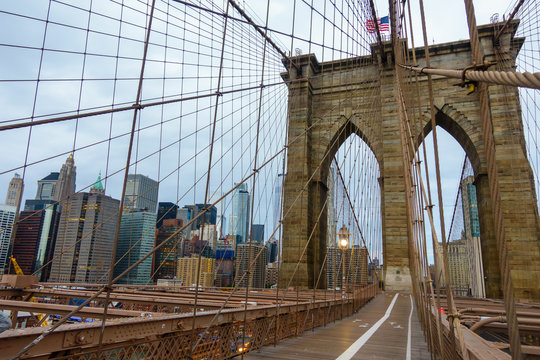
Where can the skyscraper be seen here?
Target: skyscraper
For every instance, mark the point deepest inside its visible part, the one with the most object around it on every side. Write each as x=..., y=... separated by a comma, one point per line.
x=165, y=258
x=472, y=234
x=66, y=180
x=46, y=189
x=224, y=267
x=166, y=210
x=278, y=208
x=187, y=271
x=331, y=206
x=278, y=203
x=35, y=205
x=272, y=273
x=135, y=239
x=14, y=191
x=272, y=245
x=333, y=267
x=355, y=265
x=189, y=212
x=141, y=193
x=458, y=264
x=239, y=220
x=85, y=238
x=246, y=258
x=209, y=234
x=34, y=242
x=358, y=266
x=7, y=218
x=58, y=185
x=258, y=233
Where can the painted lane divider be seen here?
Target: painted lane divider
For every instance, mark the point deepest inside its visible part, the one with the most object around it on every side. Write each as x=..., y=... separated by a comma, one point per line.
x=409, y=332
x=357, y=345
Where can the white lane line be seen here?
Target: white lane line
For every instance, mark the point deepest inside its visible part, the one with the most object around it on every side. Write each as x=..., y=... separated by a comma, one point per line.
x=357, y=345
x=409, y=332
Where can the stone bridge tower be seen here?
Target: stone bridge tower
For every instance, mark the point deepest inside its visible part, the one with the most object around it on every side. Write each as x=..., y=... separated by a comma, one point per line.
x=332, y=100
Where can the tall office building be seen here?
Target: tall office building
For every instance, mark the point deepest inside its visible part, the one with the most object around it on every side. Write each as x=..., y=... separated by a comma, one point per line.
x=194, y=245
x=66, y=180
x=355, y=266
x=166, y=210
x=222, y=225
x=35, y=239
x=271, y=276
x=224, y=267
x=246, y=258
x=258, y=233
x=165, y=259
x=209, y=234
x=358, y=268
x=135, y=239
x=187, y=271
x=15, y=190
x=331, y=205
x=141, y=193
x=85, y=238
x=278, y=208
x=46, y=189
x=239, y=220
x=272, y=245
x=58, y=185
x=190, y=212
x=278, y=201
x=458, y=263
x=7, y=218
x=333, y=267
x=472, y=234
x=35, y=205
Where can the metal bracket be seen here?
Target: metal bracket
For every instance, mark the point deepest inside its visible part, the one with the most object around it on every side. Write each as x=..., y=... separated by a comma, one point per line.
x=78, y=338
x=471, y=85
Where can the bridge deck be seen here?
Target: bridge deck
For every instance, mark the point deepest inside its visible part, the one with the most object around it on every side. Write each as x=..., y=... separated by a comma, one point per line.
x=349, y=338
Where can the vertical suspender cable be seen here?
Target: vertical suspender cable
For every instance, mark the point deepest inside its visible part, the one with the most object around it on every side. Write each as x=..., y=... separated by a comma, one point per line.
x=493, y=177
x=254, y=180
x=210, y=157
x=126, y=171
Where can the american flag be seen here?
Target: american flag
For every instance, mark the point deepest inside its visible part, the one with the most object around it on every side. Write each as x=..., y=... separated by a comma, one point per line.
x=384, y=24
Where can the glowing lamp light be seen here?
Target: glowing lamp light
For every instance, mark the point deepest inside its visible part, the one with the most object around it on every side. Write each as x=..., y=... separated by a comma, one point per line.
x=343, y=236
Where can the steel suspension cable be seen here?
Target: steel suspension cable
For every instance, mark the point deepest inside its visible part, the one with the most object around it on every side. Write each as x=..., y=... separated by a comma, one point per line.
x=500, y=235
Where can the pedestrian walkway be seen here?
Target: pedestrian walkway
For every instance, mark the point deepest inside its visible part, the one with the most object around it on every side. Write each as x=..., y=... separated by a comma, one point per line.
x=386, y=328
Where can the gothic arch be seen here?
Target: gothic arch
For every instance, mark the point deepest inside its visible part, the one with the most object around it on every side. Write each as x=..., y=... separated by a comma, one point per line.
x=343, y=128
x=466, y=132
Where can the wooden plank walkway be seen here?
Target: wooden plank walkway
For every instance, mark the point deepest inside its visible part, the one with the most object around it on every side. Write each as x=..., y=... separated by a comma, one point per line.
x=346, y=339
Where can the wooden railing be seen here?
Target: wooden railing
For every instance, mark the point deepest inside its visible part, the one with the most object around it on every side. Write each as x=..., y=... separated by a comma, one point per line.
x=218, y=334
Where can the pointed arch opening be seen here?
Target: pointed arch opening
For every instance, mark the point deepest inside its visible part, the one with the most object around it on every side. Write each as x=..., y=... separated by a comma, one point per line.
x=354, y=209
x=460, y=164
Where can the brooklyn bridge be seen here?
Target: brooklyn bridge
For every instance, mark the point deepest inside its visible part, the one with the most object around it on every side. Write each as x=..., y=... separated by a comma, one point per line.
x=306, y=179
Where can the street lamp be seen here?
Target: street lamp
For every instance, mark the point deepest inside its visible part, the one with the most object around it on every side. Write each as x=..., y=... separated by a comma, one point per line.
x=343, y=236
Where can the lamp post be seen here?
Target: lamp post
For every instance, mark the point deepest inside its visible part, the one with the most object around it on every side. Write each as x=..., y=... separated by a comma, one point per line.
x=343, y=236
